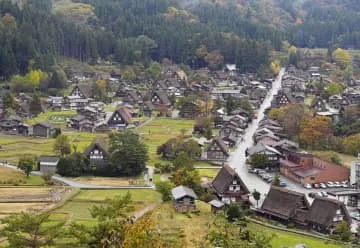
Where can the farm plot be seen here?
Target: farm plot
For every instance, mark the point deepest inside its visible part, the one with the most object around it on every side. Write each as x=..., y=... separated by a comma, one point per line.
x=13, y=147
x=77, y=209
x=112, y=181
x=29, y=199
x=158, y=131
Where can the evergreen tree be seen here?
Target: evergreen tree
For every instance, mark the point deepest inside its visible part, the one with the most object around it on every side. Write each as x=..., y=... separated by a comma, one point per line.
x=35, y=105
x=31, y=230
x=56, y=81
x=8, y=100
x=128, y=153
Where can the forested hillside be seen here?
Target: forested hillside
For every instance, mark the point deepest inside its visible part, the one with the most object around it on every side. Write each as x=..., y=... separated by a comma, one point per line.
x=193, y=32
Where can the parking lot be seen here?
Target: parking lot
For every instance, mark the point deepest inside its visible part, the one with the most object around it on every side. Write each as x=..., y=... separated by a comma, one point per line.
x=320, y=190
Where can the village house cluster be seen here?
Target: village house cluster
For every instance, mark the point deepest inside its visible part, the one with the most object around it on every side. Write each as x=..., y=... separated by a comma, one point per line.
x=282, y=153
x=321, y=213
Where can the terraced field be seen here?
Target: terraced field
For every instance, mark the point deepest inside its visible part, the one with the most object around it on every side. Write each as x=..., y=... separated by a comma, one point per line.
x=13, y=147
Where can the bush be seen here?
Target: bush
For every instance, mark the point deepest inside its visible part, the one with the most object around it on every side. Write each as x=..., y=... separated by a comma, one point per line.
x=164, y=188
x=73, y=166
x=163, y=168
x=233, y=213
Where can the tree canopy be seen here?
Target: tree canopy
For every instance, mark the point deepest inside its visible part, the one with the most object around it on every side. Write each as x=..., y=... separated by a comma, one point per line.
x=128, y=154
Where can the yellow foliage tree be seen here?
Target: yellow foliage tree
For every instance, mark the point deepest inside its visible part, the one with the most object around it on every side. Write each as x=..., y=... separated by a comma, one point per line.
x=292, y=49
x=205, y=107
x=315, y=131
x=101, y=83
x=342, y=57
x=8, y=22
x=35, y=76
x=275, y=66
x=142, y=234
x=277, y=114
x=352, y=144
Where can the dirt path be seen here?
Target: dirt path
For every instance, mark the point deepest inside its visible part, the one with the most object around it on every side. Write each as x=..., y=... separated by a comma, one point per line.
x=137, y=215
x=145, y=123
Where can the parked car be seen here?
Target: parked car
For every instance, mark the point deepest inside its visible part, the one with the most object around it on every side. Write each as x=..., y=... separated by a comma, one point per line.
x=260, y=172
x=311, y=195
x=318, y=194
x=345, y=184
x=266, y=177
x=307, y=186
x=251, y=170
x=282, y=183
x=324, y=194
x=355, y=216
x=269, y=180
x=330, y=185
x=323, y=185
x=337, y=185
x=316, y=186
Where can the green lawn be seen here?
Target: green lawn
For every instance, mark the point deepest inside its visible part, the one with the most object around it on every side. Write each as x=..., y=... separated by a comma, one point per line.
x=209, y=173
x=144, y=195
x=308, y=100
x=286, y=239
x=14, y=147
x=159, y=131
x=54, y=117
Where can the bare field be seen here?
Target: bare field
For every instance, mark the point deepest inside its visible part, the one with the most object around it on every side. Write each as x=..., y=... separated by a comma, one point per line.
x=29, y=199
x=10, y=208
x=112, y=181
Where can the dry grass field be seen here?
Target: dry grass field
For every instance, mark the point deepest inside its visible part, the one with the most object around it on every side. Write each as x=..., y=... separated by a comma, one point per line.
x=111, y=181
x=29, y=199
x=77, y=209
x=189, y=230
x=14, y=178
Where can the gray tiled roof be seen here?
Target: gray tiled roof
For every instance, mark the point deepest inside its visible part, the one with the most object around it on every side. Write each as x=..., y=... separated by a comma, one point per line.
x=181, y=191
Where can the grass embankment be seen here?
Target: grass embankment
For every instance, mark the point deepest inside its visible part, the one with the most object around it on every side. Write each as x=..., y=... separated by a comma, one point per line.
x=345, y=159
x=288, y=239
x=18, y=178
x=188, y=230
x=158, y=131
x=13, y=147
x=77, y=209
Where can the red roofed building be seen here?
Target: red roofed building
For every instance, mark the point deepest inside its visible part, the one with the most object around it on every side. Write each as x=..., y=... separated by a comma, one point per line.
x=306, y=168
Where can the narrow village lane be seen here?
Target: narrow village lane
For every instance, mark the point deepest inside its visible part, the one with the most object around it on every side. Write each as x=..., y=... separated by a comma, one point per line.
x=238, y=158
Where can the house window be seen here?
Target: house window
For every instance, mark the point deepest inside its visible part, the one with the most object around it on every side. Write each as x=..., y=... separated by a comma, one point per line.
x=226, y=200
x=338, y=218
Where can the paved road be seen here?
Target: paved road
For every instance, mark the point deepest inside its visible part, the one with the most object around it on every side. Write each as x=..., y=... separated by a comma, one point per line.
x=238, y=158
